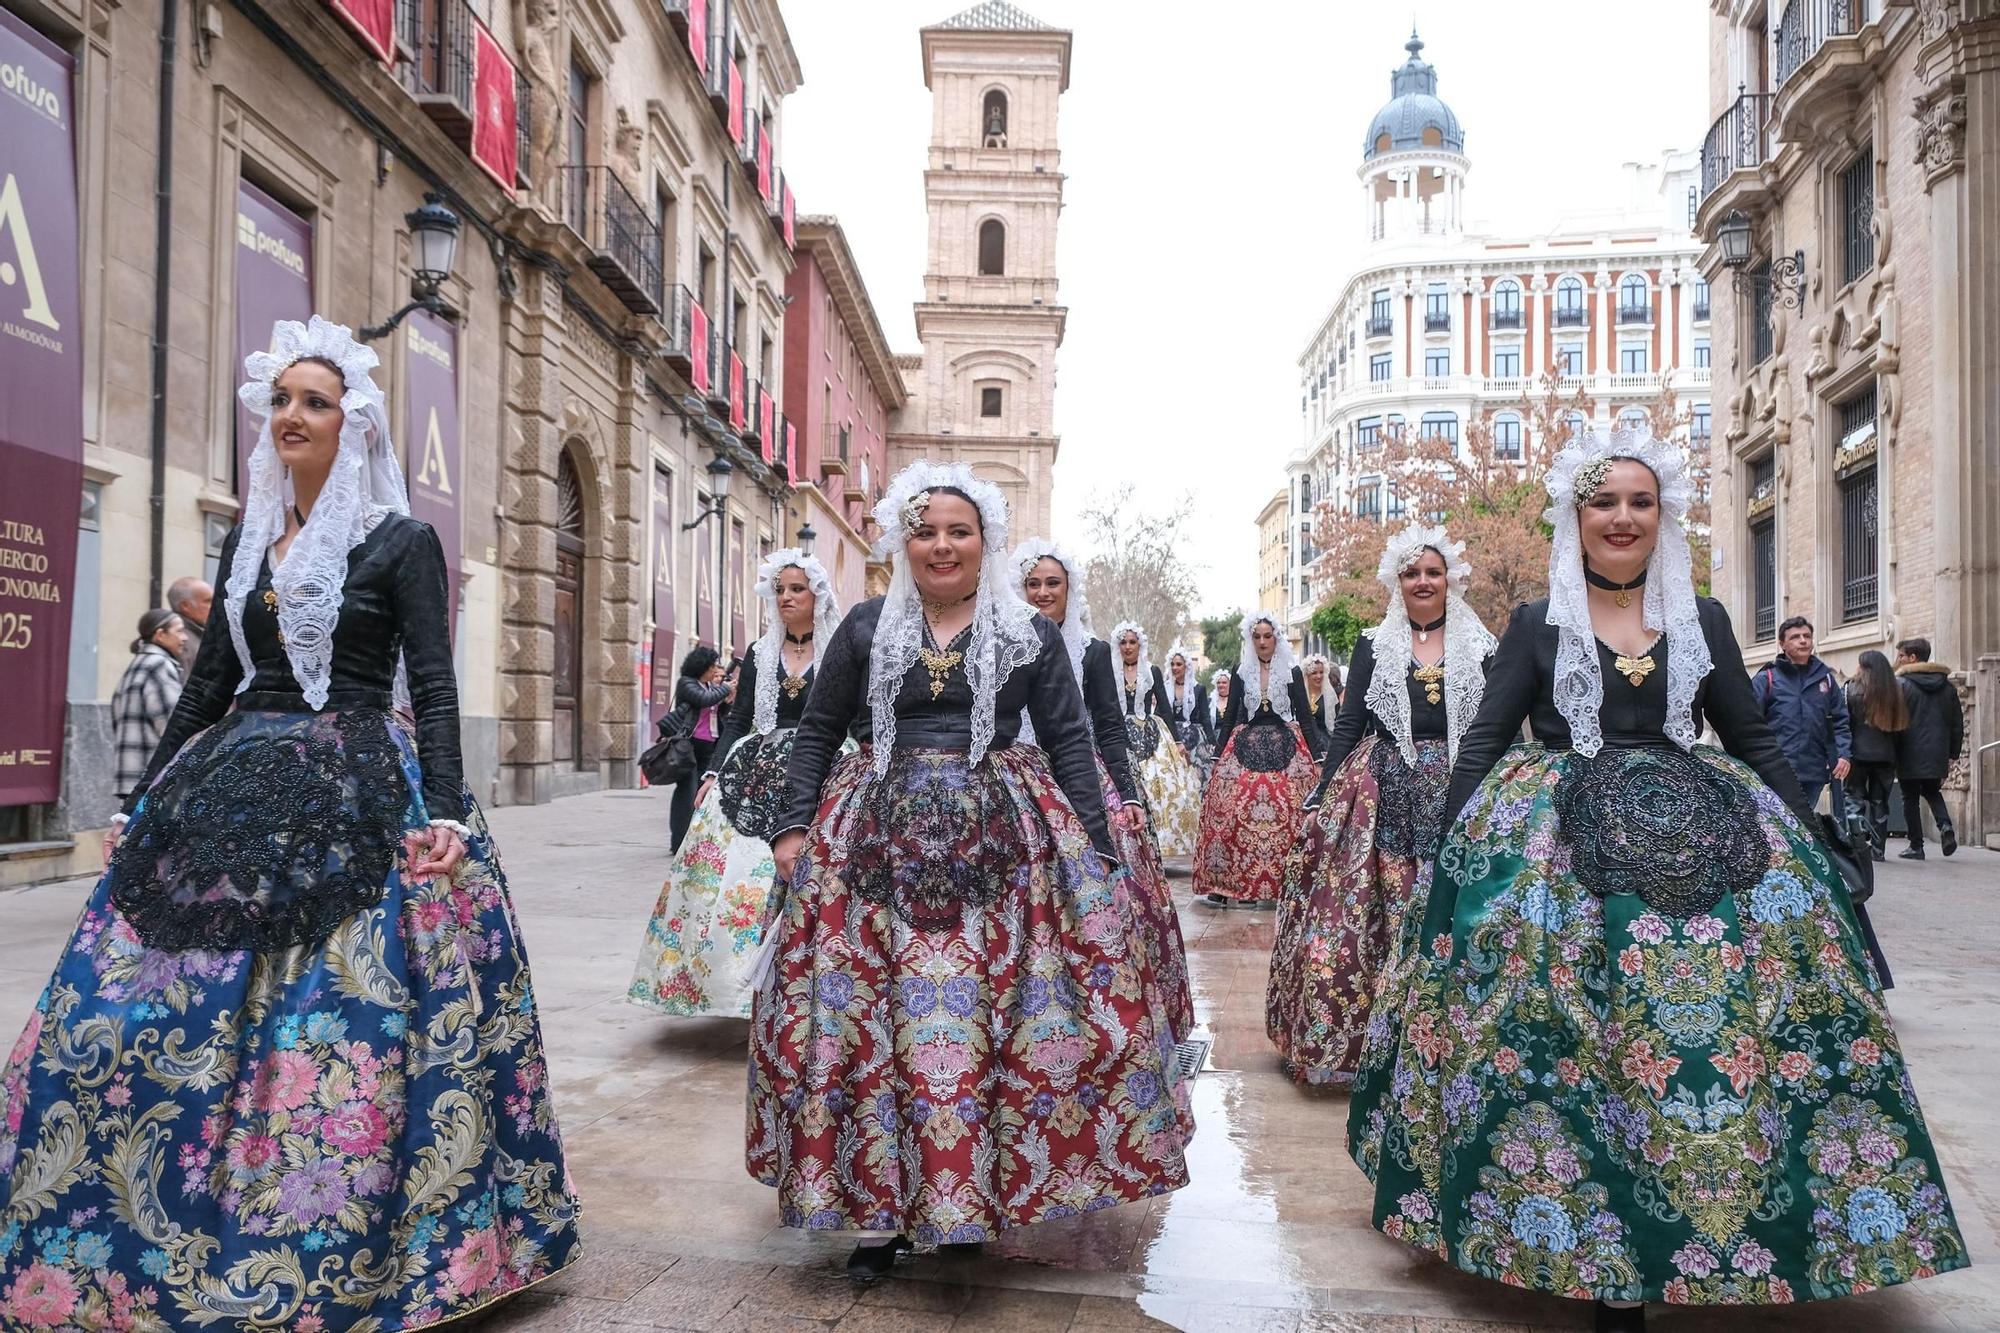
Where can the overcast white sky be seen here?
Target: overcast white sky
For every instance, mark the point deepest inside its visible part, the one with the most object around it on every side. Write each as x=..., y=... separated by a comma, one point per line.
x=1210, y=211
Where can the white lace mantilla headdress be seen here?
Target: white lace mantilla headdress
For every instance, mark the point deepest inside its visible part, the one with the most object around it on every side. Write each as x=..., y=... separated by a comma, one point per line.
x=1188, y=684
x=771, y=647
x=1669, y=601
x=1248, y=677
x=1221, y=676
x=1003, y=635
x=1142, y=673
x=1075, y=627
x=364, y=487
x=1467, y=642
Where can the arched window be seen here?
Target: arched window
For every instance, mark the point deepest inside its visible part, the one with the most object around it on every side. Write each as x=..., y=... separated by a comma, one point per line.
x=1507, y=435
x=1439, y=426
x=1569, y=301
x=1506, y=304
x=992, y=248
x=1577, y=423
x=1634, y=418
x=993, y=119
x=1635, y=300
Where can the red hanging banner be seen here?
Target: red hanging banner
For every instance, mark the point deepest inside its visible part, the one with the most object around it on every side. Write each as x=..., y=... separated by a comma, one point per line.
x=769, y=425
x=431, y=436
x=791, y=452
x=495, y=144
x=791, y=231
x=764, y=165
x=41, y=406
x=736, y=417
x=373, y=21
x=698, y=347
x=698, y=33
x=735, y=102
x=665, y=669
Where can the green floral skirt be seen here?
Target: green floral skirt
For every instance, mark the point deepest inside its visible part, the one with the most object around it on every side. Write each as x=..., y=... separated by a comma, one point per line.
x=1645, y=1056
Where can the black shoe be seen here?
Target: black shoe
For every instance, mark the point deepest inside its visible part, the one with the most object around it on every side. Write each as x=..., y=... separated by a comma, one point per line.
x=1215, y=900
x=869, y=1263
x=1913, y=854
x=1878, y=854
x=963, y=1249
x=1620, y=1319
x=1948, y=837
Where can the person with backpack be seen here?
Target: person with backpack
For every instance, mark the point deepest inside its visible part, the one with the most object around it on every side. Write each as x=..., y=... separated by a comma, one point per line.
x=1935, y=737
x=1805, y=706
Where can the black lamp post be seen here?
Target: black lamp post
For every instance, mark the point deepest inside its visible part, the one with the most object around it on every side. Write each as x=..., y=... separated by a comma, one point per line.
x=720, y=470
x=806, y=537
x=1787, y=277
x=433, y=246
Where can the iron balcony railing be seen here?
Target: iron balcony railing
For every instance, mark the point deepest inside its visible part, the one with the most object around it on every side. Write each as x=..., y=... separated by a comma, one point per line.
x=1507, y=319
x=1640, y=313
x=1380, y=326
x=1739, y=140
x=1437, y=321
x=1805, y=28
x=439, y=34
x=624, y=240
x=1700, y=310
x=1571, y=316
x=680, y=318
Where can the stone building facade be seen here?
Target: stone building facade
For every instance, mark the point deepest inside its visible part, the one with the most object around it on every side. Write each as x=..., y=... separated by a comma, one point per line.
x=1444, y=327
x=1274, y=556
x=983, y=389
x=1856, y=148
x=618, y=295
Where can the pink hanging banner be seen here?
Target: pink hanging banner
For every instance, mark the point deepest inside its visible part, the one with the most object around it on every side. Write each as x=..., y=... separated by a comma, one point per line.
x=735, y=102
x=698, y=346
x=41, y=406
x=697, y=12
x=665, y=530
x=769, y=426
x=791, y=452
x=736, y=417
x=764, y=165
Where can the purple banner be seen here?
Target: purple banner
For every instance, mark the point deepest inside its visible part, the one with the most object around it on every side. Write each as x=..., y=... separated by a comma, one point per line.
x=431, y=439
x=41, y=405
x=665, y=530
x=273, y=282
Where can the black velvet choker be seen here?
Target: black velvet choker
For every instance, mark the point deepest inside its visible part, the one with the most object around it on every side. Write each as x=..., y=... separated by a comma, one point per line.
x=1597, y=580
x=1424, y=631
x=800, y=639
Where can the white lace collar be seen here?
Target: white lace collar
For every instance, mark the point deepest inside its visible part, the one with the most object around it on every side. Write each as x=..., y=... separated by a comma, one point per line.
x=1249, y=678
x=1467, y=642
x=771, y=646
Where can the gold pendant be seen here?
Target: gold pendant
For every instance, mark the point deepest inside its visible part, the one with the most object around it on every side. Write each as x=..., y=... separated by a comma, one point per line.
x=1432, y=678
x=1634, y=669
x=1624, y=597
x=939, y=665
x=1423, y=636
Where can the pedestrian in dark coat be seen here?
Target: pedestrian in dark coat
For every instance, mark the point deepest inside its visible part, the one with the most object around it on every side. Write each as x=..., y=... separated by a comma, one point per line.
x=1807, y=710
x=1877, y=717
x=1935, y=737
x=698, y=693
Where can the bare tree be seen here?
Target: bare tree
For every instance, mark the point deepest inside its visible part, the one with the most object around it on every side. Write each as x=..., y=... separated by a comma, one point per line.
x=1136, y=569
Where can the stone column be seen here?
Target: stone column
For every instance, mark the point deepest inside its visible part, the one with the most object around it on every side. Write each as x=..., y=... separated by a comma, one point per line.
x=533, y=349
x=1958, y=140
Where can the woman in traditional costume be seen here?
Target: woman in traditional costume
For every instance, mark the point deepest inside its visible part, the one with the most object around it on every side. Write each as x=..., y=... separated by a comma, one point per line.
x=1644, y=1055
x=1372, y=828
x=1052, y=582
x=957, y=1035
x=288, y=1072
x=1263, y=773
x=1167, y=779
x=701, y=943
x=1187, y=706
x=1321, y=704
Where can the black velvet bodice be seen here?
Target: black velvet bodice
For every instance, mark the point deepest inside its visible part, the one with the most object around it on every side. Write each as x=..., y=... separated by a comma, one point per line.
x=1143, y=699
x=1107, y=721
x=742, y=719
x=1521, y=687
x=394, y=601
x=1232, y=713
x=1045, y=688
x=1356, y=719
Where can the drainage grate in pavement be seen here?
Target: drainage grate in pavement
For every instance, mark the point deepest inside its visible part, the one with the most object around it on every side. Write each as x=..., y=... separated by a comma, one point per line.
x=1192, y=1055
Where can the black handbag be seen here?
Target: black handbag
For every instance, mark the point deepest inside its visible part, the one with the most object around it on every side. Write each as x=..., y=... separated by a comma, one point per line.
x=670, y=759
x=1858, y=871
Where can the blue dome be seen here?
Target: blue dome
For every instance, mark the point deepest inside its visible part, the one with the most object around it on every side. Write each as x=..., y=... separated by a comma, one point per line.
x=1413, y=107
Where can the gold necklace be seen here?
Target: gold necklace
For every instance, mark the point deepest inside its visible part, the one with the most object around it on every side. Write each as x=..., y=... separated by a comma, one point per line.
x=1432, y=678
x=939, y=664
x=793, y=684
x=1635, y=669
x=935, y=609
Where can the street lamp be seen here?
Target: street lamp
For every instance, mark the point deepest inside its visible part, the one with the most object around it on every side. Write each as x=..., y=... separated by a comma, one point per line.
x=1732, y=237
x=1785, y=278
x=719, y=471
x=806, y=537
x=433, y=246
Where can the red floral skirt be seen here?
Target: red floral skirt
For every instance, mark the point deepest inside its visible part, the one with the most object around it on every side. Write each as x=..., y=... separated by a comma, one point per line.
x=1362, y=865
x=1153, y=915
x=957, y=1035
x=1250, y=812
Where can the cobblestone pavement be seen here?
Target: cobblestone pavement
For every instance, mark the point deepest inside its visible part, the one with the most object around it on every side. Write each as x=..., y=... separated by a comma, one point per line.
x=1272, y=1235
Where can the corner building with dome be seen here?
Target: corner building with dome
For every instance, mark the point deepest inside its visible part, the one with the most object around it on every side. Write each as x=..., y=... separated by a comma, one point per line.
x=1448, y=323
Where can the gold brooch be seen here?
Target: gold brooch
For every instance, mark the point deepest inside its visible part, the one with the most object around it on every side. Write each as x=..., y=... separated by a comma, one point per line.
x=1433, y=682
x=793, y=684
x=939, y=665
x=1634, y=669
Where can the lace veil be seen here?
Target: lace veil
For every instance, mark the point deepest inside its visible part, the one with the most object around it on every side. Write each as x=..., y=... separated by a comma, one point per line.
x=1076, y=631
x=1142, y=672
x=1215, y=704
x=364, y=487
x=1669, y=602
x=1246, y=676
x=1467, y=642
x=771, y=646
x=1003, y=635
x=1187, y=689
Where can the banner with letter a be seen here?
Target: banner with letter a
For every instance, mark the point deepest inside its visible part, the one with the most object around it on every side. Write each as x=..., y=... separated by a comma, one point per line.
x=431, y=439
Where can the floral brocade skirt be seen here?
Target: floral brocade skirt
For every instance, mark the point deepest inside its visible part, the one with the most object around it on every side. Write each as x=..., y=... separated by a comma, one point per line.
x=352, y=1135
x=1362, y=864
x=1640, y=1052
x=957, y=1036
x=1161, y=946
x=1250, y=813
x=703, y=938
x=1172, y=789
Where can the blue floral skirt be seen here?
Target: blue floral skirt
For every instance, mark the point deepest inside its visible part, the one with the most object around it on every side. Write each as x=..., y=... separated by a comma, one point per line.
x=353, y=1135
x=1639, y=1055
